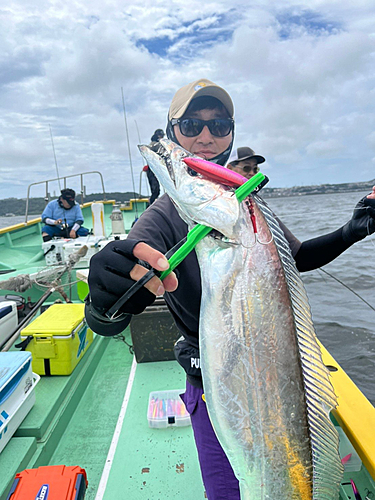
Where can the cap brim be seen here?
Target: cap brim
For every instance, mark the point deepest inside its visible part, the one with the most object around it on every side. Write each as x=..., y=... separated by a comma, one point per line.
x=216, y=92
x=258, y=158
x=209, y=89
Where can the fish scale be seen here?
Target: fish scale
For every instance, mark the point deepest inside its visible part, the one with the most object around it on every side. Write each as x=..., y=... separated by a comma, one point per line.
x=267, y=390
x=254, y=376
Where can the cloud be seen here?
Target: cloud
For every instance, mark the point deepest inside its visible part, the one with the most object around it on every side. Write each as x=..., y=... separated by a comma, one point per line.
x=300, y=74
x=329, y=148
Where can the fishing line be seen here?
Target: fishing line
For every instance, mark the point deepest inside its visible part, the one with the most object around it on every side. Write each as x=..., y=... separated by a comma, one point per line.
x=54, y=154
x=120, y=337
x=348, y=287
x=140, y=142
x=369, y=234
x=130, y=156
x=205, y=204
x=139, y=137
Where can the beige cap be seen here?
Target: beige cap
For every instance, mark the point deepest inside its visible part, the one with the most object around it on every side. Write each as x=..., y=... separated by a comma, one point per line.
x=186, y=94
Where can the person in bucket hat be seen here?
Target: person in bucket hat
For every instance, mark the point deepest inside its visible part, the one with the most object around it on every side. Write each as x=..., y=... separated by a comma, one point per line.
x=201, y=120
x=245, y=162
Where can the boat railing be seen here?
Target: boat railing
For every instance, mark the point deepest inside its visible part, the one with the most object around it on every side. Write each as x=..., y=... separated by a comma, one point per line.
x=46, y=182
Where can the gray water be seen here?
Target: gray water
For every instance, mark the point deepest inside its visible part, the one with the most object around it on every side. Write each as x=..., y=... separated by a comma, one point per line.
x=344, y=324
x=16, y=219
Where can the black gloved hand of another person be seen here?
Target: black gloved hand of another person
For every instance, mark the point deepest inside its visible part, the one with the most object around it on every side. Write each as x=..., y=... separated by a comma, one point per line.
x=109, y=278
x=362, y=222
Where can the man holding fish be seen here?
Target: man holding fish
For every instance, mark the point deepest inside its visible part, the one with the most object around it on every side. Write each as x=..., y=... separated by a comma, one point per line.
x=200, y=120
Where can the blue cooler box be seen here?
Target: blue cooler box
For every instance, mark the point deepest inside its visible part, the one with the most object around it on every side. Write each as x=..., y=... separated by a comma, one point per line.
x=8, y=319
x=17, y=395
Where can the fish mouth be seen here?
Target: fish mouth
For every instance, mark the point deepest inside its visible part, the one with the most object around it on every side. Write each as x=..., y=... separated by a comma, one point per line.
x=164, y=151
x=197, y=198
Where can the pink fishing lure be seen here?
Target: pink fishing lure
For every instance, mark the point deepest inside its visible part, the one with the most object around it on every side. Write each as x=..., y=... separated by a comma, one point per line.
x=215, y=172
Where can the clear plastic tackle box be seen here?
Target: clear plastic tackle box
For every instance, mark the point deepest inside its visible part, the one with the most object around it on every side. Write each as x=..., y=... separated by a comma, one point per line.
x=166, y=409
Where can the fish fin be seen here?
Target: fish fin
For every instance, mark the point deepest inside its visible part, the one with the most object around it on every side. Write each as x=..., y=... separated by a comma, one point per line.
x=319, y=392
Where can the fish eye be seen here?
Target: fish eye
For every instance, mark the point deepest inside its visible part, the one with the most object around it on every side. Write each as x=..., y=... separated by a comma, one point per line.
x=192, y=172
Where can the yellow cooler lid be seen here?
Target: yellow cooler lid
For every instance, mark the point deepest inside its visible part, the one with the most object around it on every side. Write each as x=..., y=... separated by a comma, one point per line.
x=58, y=319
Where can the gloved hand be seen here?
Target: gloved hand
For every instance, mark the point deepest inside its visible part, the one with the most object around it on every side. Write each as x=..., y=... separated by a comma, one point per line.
x=115, y=269
x=362, y=222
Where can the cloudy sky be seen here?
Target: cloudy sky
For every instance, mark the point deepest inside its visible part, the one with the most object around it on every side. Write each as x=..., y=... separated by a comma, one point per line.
x=301, y=75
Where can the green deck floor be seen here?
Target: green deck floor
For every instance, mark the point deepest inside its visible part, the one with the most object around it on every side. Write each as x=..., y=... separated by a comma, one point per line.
x=73, y=423
x=74, y=420
x=89, y=434
x=45, y=426
x=154, y=463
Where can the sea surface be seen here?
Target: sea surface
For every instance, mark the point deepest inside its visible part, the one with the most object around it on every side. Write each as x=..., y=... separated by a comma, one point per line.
x=15, y=219
x=344, y=323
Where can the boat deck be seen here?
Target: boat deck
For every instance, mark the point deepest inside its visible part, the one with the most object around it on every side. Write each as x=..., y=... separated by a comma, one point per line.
x=21, y=249
x=21, y=245
x=97, y=419
x=163, y=463
x=75, y=419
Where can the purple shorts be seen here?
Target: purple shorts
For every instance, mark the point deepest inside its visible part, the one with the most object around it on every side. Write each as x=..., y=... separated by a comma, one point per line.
x=217, y=473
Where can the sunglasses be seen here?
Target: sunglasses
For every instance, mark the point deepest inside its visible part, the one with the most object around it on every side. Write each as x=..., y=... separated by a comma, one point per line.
x=191, y=127
x=248, y=168
x=71, y=201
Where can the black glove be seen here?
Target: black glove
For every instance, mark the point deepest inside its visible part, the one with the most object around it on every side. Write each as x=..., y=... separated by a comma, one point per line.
x=109, y=278
x=362, y=222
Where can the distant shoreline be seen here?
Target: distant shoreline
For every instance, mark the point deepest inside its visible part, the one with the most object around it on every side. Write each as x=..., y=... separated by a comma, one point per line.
x=17, y=206
x=349, y=187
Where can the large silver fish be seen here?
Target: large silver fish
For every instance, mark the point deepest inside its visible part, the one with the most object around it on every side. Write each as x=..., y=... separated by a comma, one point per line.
x=267, y=390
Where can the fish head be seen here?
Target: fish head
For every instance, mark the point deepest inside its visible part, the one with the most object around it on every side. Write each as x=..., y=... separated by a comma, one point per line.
x=198, y=199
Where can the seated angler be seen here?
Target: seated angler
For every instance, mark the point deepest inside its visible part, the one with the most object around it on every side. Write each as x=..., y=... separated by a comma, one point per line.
x=63, y=217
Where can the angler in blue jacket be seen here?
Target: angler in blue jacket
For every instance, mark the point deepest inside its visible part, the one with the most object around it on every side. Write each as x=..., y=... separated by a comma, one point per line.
x=63, y=217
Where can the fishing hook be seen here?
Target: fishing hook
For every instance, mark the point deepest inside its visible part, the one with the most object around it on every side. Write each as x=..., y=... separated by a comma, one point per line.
x=250, y=206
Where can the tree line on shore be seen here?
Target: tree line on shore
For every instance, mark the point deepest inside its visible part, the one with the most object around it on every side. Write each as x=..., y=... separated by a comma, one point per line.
x=17, y=206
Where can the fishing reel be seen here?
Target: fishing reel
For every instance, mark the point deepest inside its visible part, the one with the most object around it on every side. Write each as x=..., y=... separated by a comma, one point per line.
x=65, y=228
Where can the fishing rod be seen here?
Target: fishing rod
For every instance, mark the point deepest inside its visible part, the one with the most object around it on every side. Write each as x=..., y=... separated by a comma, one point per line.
x=55, y=287
x=54, y=154
x=130, y=156
x=139, y=137
x=7, y=344
x=139, y=142
x=348, y=287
